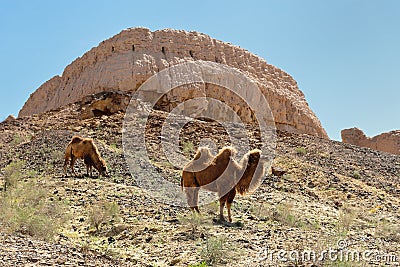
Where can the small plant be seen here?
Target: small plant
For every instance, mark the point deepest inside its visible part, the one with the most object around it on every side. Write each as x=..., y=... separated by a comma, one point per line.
x=345, y=220
x=85, y=247
x=103, y=213
x=57, y=155
x=285, y=215
x=201, y=264
x=287, y=177
x=115, y=148
x=356, y=175
x=214, y=249
x=301, y=151
x=261, y=211
x=13, y=173
x=194, y=220
x=20, y=138
x=388, y=231
x=188, y=148
x=27, y=208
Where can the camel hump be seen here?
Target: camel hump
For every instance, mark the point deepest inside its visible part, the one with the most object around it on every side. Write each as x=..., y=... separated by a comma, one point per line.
x=255, y=154
x=76, y=139
x=227, y=151
x=203, y=152
x=88, y=141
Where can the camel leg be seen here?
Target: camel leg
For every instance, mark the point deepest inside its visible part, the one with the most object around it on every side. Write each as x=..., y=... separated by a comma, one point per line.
x=229, y=201
x=222, y=201
x=87, y=170
x=191, y=190
x=192, y=195
x=196, y=199
x=73, y=159
x=65, y=166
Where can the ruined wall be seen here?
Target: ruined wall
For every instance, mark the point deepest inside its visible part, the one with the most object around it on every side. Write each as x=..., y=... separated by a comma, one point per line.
x=387, y=142
x=126, y=60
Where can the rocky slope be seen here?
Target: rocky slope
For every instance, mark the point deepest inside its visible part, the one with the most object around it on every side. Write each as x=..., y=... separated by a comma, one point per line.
x=387, y=142
x=331, y=191
x=129, y=58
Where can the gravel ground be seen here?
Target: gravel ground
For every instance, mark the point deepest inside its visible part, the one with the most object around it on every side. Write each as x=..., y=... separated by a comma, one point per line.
x=331, y=191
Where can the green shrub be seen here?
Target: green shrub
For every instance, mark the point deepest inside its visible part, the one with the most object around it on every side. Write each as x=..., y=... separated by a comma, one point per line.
x=20, y=138
x=193, y=220
x=13, y=173
x=214, y=249
x=356, y=175
x=201, y=264
x=26, y=208
x=102, y=213
x=284, y=214
x=301, y=151
x=188, y=148
x=345, y=220
x=388, y=231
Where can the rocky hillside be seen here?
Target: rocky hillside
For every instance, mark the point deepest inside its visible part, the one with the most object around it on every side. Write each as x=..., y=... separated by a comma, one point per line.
x=128, y=59
x=321, y=192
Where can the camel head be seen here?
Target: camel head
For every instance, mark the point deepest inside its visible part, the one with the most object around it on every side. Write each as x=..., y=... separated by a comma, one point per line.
x=203, y=154
x=101, y=166
x=254, y=157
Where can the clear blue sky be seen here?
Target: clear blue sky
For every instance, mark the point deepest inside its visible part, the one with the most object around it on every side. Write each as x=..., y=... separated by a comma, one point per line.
x=344, y=54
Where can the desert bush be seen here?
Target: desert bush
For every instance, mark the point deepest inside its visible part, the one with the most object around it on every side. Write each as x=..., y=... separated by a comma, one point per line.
x=301, y=151
x=193, y=220
x=388, y=231
x=27, y=208
x=214, y=249
x=201, y=264
x=261, y=211
x=103, y=213
x=284, y=214
x=345, y=220
x=188, y=148
x=13, y=173
x=356, y=175
x=20, y=138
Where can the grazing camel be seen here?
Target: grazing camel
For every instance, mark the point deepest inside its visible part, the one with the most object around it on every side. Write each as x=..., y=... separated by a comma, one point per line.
x=220, y=174
x=84, y=148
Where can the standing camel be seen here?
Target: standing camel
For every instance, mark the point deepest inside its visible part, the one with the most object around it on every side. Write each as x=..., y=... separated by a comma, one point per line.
x=220, y=174
x=84, y=148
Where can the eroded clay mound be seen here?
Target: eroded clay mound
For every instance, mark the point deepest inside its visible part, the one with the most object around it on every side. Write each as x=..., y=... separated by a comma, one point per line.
x=126, y=60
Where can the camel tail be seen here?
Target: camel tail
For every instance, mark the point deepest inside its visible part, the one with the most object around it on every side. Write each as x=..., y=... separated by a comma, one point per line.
x=182, y=182
x=67, y=154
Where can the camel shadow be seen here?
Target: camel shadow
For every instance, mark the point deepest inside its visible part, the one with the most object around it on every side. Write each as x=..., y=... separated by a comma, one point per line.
x=237, y=224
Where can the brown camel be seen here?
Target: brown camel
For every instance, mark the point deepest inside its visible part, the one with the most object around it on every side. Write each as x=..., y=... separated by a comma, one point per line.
x=84, y=148
x=220, y=174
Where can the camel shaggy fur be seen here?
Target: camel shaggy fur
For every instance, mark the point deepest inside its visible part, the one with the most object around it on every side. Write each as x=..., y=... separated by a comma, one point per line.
x=221, y=174
x=84, y=148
